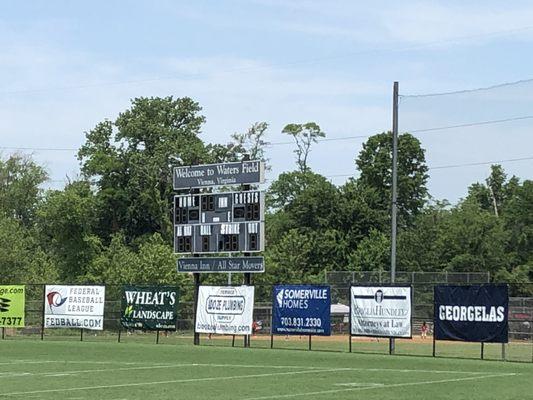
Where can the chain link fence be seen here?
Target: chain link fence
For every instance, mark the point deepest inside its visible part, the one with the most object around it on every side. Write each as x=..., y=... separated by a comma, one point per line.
x=519, y=348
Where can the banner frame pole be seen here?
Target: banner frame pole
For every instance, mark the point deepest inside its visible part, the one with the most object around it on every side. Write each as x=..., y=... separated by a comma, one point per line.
x=119, y=330
x=3, y=332
x=310, y=342
x=81, y=335
x=434, y=343
x=157, y=337
x=482, y=350
x=42, y=314
x=271, y=320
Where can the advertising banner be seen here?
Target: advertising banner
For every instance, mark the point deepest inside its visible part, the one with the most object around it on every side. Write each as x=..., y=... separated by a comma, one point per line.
x=381, y=311
x=12, y=298
x=149, y=307
x=79, y=307
x=474, y=313
x=226, y=310
x=301, y=310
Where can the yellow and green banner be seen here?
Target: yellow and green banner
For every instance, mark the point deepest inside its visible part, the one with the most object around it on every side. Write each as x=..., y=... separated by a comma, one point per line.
x=12, y=300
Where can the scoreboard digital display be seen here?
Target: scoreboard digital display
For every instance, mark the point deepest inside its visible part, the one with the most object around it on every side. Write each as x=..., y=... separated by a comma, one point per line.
x=228, y=222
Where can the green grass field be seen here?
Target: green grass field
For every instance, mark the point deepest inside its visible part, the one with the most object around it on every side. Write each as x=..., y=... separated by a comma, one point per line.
x=119, y=371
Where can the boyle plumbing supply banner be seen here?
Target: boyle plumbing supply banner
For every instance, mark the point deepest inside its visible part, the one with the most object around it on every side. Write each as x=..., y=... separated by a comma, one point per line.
x=474, y=313
x=12, y=298
x=227, y=310
x=149, y=307
x=79, y=307
x=382, y=311
x=301, y=310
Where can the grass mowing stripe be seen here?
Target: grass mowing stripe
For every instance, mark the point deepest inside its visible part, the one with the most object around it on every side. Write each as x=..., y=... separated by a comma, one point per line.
x=219, y=378
x=322, y=392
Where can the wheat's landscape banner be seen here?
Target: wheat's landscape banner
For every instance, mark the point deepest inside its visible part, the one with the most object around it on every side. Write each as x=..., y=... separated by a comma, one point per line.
x=301, y=310
x=79, y=307
x=225, y=309
x=381, y=311
x=473, y=313
x=149, y=307
x=12, y=304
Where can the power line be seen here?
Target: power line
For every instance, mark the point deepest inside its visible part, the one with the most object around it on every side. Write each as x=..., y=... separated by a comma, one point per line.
x=466, y=125
x=480, y=89
x=482, y=163
x=278, y=65
x=37, y=148
x=333, y=139
x=472, y=164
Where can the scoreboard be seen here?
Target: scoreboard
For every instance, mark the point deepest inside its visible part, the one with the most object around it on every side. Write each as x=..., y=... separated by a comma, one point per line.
x=230, y=222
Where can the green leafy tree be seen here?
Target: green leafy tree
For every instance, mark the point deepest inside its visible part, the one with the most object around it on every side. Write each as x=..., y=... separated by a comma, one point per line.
x=66, y=222
x=131, y=159
x=20, y=187
x=375, y=165
x=304, y=136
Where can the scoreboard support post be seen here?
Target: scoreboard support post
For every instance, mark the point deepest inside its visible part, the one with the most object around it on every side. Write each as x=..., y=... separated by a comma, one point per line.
x=247, y=282
x=195, y=306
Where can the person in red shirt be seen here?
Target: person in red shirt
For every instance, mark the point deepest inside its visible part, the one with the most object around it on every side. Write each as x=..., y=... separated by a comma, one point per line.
x=424, y=330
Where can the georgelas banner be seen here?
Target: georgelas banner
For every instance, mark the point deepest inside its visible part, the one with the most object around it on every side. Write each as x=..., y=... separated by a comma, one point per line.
x=473, y=313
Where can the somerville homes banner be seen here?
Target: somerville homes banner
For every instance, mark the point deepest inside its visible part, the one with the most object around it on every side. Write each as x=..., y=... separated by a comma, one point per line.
x=74, y=307
x=149, y=307
x=12, y=299
x=382, y=311
x=474, y=313
x=225, y=309
x=301, y=310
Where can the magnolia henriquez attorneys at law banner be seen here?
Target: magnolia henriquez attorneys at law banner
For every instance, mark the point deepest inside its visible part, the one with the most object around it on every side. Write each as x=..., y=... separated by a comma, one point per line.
x=149, y=307
x=226, y=310
x=382, y=311
x=80, y=307
x=473, y=313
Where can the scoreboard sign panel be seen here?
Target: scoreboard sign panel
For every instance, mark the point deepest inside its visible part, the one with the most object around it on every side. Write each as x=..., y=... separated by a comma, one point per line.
x=219, y=222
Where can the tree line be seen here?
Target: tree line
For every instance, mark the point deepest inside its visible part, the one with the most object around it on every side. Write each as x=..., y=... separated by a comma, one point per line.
x=113, y=223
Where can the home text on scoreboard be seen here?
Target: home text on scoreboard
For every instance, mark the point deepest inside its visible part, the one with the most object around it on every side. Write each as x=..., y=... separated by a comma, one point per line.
x=228, y=222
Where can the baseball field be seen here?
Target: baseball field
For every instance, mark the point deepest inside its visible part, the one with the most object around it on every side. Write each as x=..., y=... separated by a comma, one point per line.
x=119, y=371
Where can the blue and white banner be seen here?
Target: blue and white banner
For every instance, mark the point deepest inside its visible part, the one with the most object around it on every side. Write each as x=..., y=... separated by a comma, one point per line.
x=474, y=313
x=301, y=310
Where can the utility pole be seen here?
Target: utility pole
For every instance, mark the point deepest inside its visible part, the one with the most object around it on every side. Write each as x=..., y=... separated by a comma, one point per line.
x=394, y=201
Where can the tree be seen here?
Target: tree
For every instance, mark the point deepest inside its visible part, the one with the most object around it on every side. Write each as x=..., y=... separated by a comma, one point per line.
x=131, y=159
x=375, y=165
x=23, y=260
x=20, y=192
x=304, y=136
x=66, y=222
x=252, y=142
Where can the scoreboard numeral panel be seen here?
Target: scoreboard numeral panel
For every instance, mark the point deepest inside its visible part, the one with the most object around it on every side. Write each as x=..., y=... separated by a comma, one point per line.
x=229, y=222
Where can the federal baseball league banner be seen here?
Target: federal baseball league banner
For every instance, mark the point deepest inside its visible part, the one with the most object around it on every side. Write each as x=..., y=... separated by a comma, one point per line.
x=12, y=303
x=80, y=307
x=301, y=310
x=473, y=313
x=381, y=311
x=149, y=307
x=226, y=310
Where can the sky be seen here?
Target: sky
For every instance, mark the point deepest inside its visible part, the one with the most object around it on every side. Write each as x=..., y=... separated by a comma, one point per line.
x=65, y=66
